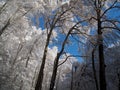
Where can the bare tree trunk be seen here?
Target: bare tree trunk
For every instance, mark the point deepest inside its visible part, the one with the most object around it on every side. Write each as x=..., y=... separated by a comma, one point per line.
x=102, y=77
x=52, y=83
x=41, y=72
x=118, y=81
x=54, y=72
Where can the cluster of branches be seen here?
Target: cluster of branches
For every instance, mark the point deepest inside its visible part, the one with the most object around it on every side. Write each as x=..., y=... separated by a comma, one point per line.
x=100, y=17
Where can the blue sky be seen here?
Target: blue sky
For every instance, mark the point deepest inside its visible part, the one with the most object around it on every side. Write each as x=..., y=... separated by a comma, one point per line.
x=41, y=22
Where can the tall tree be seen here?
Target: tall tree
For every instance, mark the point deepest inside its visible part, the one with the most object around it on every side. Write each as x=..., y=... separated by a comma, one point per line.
x=51, y=24
x=54, y=73
x=98, y=11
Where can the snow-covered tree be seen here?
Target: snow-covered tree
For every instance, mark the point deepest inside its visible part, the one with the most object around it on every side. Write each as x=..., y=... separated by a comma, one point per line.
x=35, y=57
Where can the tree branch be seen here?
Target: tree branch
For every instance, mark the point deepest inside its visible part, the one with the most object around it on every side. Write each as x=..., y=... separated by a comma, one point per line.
x=111, y=7
x=69, y=57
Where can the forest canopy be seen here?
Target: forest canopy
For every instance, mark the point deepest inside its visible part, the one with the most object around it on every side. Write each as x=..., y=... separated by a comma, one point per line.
x=59, y=45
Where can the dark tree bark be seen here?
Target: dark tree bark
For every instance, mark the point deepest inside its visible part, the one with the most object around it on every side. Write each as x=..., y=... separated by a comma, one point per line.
x=118, y=74
x=102, y=77
x=41, y=72
x=54, y=72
